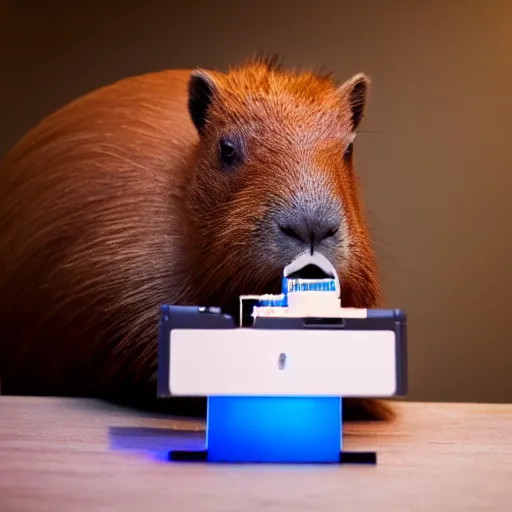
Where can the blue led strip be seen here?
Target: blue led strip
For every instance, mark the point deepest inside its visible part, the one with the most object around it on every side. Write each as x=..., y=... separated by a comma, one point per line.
x=296, y=285
x=274, y=429
x=310, y=285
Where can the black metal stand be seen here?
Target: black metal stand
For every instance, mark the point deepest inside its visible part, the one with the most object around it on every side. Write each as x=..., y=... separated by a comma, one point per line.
x=202, y=456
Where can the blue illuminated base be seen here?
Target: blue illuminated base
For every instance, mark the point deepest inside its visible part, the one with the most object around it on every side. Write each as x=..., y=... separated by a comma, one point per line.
x=293, y=430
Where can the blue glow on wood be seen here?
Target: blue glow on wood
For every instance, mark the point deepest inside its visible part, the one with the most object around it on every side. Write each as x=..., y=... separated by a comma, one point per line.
x=274, y=429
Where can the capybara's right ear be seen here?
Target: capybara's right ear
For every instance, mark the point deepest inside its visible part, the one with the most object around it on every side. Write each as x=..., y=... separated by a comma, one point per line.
x=202, y=88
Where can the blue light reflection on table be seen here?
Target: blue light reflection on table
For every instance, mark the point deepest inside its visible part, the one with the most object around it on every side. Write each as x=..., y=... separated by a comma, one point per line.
x=154, y=443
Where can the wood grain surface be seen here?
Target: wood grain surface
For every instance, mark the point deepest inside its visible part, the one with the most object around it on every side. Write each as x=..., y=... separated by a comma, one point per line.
x=84, y=455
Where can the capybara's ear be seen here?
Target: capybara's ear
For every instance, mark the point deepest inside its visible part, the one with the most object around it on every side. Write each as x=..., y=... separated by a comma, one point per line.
x=202, y=89
x=354, y=92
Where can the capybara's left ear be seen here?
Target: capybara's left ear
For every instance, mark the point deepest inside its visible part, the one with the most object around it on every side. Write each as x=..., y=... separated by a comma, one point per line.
x=354, y=92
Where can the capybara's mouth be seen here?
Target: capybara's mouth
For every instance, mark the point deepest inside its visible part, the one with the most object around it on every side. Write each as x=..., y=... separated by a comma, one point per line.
x=312, y=265
x=309, y=272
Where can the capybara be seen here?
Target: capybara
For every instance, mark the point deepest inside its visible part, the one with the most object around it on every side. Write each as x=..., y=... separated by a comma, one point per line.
x=181, y=186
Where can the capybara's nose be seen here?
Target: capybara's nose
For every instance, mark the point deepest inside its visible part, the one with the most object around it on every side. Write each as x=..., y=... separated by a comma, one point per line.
x=309, y=226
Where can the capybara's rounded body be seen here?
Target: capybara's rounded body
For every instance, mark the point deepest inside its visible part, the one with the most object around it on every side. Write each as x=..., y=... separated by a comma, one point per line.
x=184, y=187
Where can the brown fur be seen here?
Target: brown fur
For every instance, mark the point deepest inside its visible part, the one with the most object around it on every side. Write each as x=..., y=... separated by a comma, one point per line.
x=115, y=204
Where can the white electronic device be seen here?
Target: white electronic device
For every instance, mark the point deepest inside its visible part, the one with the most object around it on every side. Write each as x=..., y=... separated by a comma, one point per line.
x=275, y=378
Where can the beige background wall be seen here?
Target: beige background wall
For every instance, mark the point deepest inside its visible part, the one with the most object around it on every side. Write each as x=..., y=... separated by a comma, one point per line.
x=435, y=158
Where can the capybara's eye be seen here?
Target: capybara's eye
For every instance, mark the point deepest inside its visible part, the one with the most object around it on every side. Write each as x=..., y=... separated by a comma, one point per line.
x=228, y=150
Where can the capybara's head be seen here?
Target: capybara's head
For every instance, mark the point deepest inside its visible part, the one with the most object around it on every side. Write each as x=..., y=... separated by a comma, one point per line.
x=275, y=177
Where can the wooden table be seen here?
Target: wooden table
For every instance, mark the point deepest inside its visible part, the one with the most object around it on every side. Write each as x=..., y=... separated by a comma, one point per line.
x=73, y=455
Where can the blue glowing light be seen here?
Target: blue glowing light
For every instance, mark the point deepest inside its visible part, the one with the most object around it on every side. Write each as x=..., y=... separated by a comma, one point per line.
x=296, y=285
x=274, y=429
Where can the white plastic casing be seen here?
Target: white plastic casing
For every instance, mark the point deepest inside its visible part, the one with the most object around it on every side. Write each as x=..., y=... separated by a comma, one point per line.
x=317, y=363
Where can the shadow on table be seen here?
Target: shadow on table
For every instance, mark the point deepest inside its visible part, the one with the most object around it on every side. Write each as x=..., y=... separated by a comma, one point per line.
x=155, y=442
